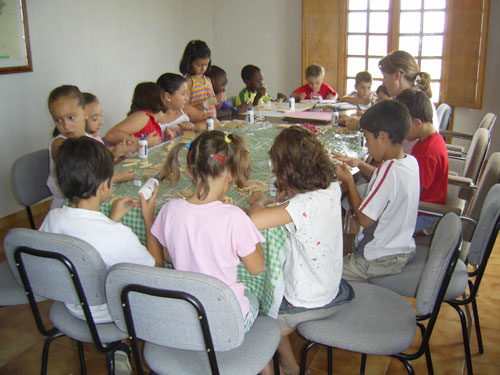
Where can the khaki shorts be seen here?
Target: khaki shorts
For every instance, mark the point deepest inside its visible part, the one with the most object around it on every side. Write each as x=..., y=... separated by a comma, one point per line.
x=357, y=267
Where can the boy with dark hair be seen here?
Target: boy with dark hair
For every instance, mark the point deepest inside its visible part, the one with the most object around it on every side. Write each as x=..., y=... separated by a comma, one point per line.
x=388, y=211
x=430, y=152
x=255, y=91
x=363, y=96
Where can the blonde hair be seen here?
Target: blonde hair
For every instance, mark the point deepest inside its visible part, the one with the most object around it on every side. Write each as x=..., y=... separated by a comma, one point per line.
x=403, y=62
x=315, y=70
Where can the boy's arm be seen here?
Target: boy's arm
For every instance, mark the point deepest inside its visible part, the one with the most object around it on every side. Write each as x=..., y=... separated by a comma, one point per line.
x=354, y=100
x=255, y=262
x=365, y=168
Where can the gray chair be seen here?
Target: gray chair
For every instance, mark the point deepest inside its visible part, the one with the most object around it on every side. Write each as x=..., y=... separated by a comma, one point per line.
x=66, y=270
x=379, y=321
x=192, y=324
x=482, y=241
x=444, y=116
x=29, y=176
x=11, y=293
x=487, y=122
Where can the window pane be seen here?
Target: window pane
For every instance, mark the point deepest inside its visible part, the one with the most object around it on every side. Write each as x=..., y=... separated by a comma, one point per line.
x=355, y=65
x=357, y=22
x=435, y=87
x=376, y=83
x=434, y=4
x=358, y=4
x=432, y=66
x=379, y=4
x=373, y=68
x=350, y=85
x=409, y=22
x=356, y=45
x=432, y=46
x=433, y=22
x=411, y=4
x=409, y=44
x=379, y=22
x=377, y=45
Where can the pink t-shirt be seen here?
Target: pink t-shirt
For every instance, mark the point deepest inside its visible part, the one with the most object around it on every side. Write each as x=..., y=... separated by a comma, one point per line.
x=208, y=238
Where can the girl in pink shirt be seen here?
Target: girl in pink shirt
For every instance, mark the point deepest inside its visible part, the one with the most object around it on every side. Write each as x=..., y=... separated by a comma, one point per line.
x=202, y=233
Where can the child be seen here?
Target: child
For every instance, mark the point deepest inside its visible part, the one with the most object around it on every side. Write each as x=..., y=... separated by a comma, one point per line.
x=219, y=82
x=203, y=234
x=382, y=94
x=146, y=109
x=430, y=152
x=388, y=211
x=363, y=96
x=315, y=87
x=312, y=216
x=255, y=91
x=84, y=168
x=194, y=63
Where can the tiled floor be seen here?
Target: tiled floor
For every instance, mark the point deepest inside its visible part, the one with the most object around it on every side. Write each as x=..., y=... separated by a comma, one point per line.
x=21, y=343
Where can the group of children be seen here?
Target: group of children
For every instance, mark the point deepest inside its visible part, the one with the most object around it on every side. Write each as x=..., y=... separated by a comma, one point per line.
x=204, y=234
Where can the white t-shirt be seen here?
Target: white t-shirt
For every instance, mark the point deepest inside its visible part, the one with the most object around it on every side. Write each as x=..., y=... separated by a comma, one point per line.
x=173, y=124
x=392, y=202
x=313, y=265
x=115, y=243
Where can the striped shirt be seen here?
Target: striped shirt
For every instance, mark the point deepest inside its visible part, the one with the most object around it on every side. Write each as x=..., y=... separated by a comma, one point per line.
x=201, y=92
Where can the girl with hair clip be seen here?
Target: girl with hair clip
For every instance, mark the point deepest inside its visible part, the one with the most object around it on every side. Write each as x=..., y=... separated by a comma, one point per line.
x=147, y=108
x=310, y=210
x=195, y=61
x=203, y=234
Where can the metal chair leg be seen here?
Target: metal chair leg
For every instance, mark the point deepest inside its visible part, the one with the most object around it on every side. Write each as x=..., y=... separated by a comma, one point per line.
x=303, y=358
x=478, y=326
x=30, y=217
x=81, y=355
x=465, y=335
x=330, y=365
x=45, y=353
x=363, y=364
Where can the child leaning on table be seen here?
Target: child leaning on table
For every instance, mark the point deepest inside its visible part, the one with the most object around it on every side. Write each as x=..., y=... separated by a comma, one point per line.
x=307, y=185
x=315, y=88
x=362, y=96
x=202, y=233
x=388, y=211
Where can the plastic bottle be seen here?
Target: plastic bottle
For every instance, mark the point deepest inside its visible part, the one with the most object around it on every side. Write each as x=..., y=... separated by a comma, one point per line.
x=210, y=123
x=143, y=147
x=250, y=115
x=272, y=186
x=148, y=188
x=292, y=102
x=335, y=116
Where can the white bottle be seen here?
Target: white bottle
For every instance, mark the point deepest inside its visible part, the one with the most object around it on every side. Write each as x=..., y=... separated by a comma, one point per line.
x=250, y=115
x=272, y=186
x=335, y=116
x=143, y=147
x=210, y=124
x=148, y=188
x=292, y=102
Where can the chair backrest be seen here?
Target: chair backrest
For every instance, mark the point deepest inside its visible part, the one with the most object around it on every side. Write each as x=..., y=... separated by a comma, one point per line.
x=180, y=326
x=443, y=255
x=490, y=176
x=29, y=176
x=476, y=155
x=444, y=116
x=488, y=122
x=46, y=257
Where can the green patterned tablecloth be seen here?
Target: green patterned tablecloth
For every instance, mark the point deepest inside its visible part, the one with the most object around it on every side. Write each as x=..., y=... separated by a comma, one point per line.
x=260, y=137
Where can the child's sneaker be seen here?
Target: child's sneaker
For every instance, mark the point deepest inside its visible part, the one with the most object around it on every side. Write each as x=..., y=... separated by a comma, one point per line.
x=121, y=359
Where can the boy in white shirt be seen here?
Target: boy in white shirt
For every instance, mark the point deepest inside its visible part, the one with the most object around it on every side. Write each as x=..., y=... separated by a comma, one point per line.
x=363, y=96
x=388, y=212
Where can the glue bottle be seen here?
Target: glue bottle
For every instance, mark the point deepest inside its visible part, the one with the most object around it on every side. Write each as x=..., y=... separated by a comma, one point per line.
x=149, y=187
x=250, y=115
x=210, y=124
x=143, y=147
x=292, y=102
x=335, y=116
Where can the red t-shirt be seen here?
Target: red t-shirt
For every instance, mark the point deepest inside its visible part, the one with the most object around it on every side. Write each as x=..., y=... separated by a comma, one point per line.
x=324, y=91
x=151, y=127
x=432, y=160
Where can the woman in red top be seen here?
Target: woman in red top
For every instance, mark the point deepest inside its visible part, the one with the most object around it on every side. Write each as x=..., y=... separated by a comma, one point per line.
x=147, y=107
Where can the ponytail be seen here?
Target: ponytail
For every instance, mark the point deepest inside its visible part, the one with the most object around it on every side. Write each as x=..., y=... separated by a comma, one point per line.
x=423, y=82
x=171, y=168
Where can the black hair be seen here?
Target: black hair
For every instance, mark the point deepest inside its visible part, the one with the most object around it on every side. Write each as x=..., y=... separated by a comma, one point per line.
x=248, y=71
x=389, y=116
x=418, y=104
x=170, y=82
x=89, y=98
x=215, y=72
x=382, y=89
x=363, y=77
x=82, y=164
x=148, y=96
x=70, y=91
x=195, y=49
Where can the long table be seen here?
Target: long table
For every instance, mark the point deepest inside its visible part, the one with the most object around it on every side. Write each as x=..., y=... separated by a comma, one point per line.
x=260, y=137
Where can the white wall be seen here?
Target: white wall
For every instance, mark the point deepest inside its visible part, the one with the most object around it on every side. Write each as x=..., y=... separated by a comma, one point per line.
x=105, y=47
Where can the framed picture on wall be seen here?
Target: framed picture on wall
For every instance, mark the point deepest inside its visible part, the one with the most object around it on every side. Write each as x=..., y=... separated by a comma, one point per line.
x=15, y=54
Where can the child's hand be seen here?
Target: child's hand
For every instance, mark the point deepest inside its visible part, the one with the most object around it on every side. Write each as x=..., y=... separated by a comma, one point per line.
x=281, y=97
x=153, y=139
x=352, y=162
x=257, y=198
x=186, y=125
x=261, y=91
x=121, y=207
x=330, y=97
x=148, y=206
x=124, y=175
x=343, y=173
x=130, y=140
x=221, y=97
x=300, y=96
x=170, y=133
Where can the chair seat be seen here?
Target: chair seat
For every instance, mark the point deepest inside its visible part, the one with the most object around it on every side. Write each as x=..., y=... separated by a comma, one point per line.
x=11, y=293
x=78, y=329
x=377, y=321
x=249, y=358
x=406, y=282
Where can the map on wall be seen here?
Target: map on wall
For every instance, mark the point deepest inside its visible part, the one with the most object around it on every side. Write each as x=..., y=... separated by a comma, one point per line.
x=13, y=44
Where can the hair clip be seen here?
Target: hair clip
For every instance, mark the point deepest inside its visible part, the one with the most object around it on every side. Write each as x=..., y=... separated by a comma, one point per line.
x=227, y=139
x=220, y=158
